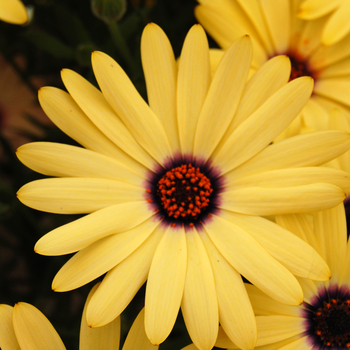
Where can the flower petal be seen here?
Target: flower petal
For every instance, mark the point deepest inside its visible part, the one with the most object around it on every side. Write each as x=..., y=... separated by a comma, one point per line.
x=80, y=233
x=235, y=311
x=130, y=106
x=77, y=195
x=33, y=330
x=199, y=304
x=8, y=340
x=165, y=285
x=56, y=159
x=101, y=256
x=291, y=251
x=223, y=97
x=94, y=105
x=137, y=338
x=193, y=84
x=106, y=337
x=311, y=9
x=13, y=11
x=266, y=123
x=238, y=247
x=309, y=149
x=122, y=283
x=283, y=200
x=159, y=67
x=334, y=89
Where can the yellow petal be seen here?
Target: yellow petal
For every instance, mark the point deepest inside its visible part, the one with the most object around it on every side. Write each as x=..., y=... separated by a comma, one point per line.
x=101, y=256
x=80, y=233
x=8, y=340
x=122, y=283
x=292, y=252
x=137, y=338
x=193, y=79
x=130, y=107
x=199, y=304
x=106, y=337
x=94, y=105
x=239, y=247
x=335, y=89
x=77, y=195
x=309, y=149
x=165, y=285
x=13, y=11
x=285, y=200
x=223, y=97
x=311, y=9
x=235, y=311
x=266, y=123
x=159, y=67
x=56, y=159
x=33, y=330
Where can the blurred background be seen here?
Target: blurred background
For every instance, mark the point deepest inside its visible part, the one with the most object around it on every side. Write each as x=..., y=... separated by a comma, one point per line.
x=62, y=34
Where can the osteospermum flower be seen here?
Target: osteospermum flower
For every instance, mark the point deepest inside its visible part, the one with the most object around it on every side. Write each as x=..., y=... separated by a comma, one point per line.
x=275, y=29
x=323, y=320
x=13, y=11
x=337, y=24
x=174, y=189
x=24, y=327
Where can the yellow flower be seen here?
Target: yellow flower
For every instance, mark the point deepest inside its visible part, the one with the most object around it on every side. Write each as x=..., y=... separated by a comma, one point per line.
x=13, y=11
x=323, y=320
x=276, y=30
x=337, y=24
x=174, y=189
x=24, y=327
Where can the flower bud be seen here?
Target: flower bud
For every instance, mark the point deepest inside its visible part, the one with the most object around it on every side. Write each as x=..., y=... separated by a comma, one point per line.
x=108, y=10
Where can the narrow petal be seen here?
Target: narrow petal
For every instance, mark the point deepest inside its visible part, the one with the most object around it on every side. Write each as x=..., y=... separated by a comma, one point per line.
x=94, y=105
x=238, y=247
x=223, y=96
x=13, y=11
x=130, y=106
x=193, y=84
x=8, y=340
x=122, y=283
x=334, y=89
x=291, y=251
x=77, y=195
x=165, y=285
x=106, y=337
x=159, y=67
x=80, y=233
x=262, y=85
x=276, y=328
x=309, y=149
x=263, y=305
x=266, y=123
x=54, y=159
x=277, y=18
x=338, y=25
x=66, y=114
x=292, y=177
x=137, y=338
x=33, y=330
x=311, y=9
x=332, y=246
x=199, y=304
x=235, y=311
x=301, y=343
x=101, y=256
x=284, y=200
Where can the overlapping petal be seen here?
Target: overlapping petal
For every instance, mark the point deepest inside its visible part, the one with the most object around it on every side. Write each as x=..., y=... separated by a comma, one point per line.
x=13, y=11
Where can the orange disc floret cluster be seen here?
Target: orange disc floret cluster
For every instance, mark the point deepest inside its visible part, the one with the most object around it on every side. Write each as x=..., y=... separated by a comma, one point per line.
x=184, y=192
x=299, y=67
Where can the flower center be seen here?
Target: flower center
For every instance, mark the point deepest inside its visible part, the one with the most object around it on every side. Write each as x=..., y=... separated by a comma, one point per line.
x=184, y=192
x=299, y=67
x=332, y=323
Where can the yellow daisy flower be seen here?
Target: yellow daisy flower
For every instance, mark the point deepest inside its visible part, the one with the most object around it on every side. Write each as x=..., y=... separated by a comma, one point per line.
x=337, y=25
x=13, y=11
x=323, y=320
x=275, y=29
x=174, y=189
x=24, y=327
